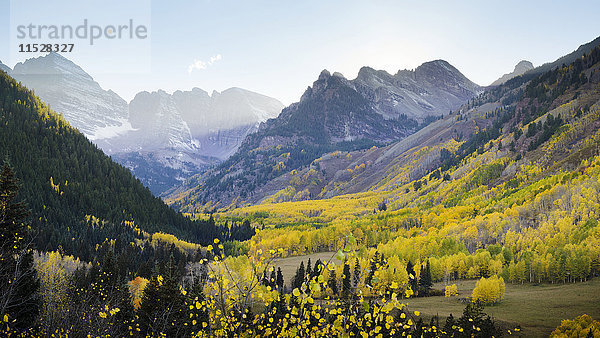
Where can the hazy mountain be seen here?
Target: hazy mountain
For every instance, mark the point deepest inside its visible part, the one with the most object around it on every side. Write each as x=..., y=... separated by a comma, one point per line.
x=163, y=138
x=520, y=69
x=4, y=68
x=334, y=113
x=177, y=136
x=69, y=90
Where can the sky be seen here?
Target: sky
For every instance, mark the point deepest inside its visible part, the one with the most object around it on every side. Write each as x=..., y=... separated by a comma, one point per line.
x=278, y=48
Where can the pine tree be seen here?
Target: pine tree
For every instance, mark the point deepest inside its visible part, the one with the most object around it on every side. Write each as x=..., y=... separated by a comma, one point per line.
x=309, y=270
x=373, y=268
x=18, y=279
x=12, y=214
x=299, y=277
x=332, y=282
x=279, y=280
x=316, y=268
x=450, y=322
x=346, y=281
x=425, y=282
x=273, y=279
x=163, y=308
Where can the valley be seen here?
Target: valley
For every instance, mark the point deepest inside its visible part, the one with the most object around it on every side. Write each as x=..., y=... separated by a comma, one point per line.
x=374, y=206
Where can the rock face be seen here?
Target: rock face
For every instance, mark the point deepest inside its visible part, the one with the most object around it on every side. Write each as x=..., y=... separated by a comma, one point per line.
x=163, y=138
x=521, y=68
x=177, y=136
x=333, y=114
x=69, y=90
x=220, y=122
x=432, y=89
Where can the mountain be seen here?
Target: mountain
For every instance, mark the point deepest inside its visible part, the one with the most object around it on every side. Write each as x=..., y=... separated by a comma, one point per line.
x=73, y=189
x=4, y=68
x=492, y=115
x=177, y=136
x=68, y=89
x=432, y=89
x=163, y=139
x=376, y=108
x=521, y=68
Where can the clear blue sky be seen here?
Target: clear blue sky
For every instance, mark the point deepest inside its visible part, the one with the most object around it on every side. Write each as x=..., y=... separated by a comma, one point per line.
x=279, y=47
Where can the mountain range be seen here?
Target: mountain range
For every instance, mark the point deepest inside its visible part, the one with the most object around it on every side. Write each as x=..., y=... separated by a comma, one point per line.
x=162, y=138
x=335, y=113
x=73, y=189
x=294, y=166
x=166, y=139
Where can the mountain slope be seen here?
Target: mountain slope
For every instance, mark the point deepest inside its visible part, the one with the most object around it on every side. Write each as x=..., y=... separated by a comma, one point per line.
x=177, y=136
x=73, y=189
x=68, y=89
x=333, y=114
x=567, y=59
x=521, y=68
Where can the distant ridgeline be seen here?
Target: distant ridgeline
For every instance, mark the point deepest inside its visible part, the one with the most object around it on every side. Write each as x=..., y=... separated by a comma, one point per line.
x=66, y=180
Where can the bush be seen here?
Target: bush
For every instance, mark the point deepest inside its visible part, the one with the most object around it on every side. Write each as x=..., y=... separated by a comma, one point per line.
x=489, y=290
x=581, y=326
x=436, y=293
x=450, y=291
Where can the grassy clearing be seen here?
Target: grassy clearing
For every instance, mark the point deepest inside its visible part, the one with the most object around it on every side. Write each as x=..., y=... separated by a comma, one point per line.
x=539, y=309
x=289, y=265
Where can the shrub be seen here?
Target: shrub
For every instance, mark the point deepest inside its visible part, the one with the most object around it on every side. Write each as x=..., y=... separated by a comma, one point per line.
x=489, y=290
x=581, y=326
x=450, y=291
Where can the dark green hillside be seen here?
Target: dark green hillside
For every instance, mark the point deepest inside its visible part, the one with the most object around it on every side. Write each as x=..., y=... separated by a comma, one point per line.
x=65, y=177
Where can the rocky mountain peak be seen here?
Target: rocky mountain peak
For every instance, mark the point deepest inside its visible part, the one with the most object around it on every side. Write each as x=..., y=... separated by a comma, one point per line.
x=51, y=64
x=521, y=68
x=325, y=74
x=69, y=90
x=438, y=70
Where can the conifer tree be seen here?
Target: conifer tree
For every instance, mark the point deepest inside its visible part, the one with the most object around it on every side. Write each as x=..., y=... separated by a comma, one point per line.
x=373, y=268
x=332, y=282
x=279, y=280
x=19, y=283
x=316, y=268
x=412, y=281
x=346, y=281
x=299, y=277
x=425, y=282
x=273, y=279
